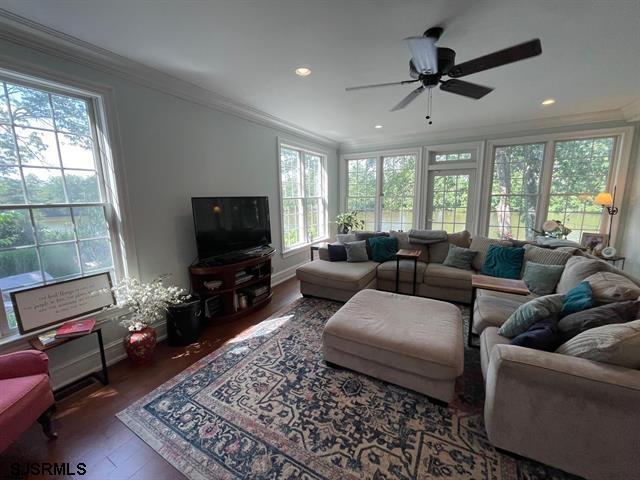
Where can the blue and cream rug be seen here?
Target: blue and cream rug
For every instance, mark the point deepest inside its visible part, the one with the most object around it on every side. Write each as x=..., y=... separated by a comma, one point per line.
x=266, y=406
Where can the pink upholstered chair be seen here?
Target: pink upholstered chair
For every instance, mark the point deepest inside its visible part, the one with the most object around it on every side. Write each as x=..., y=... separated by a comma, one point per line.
x=25, y=395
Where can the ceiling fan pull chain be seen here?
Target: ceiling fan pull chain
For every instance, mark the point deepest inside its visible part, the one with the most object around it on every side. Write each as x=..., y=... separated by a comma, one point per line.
x=429, y=106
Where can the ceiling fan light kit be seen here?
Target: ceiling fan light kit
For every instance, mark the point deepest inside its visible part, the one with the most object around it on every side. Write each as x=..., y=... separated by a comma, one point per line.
x=430, y=63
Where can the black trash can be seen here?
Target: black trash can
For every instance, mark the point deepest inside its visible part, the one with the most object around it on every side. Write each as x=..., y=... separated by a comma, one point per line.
x=184, y=323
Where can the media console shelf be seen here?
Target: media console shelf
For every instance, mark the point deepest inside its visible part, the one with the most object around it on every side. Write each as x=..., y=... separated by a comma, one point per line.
x=221, y=287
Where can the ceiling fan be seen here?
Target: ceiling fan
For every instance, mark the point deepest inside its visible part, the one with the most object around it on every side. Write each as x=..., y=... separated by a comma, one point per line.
x=429, y=64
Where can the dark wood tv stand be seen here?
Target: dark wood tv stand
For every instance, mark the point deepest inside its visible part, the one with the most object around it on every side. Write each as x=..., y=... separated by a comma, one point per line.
x=225, y=296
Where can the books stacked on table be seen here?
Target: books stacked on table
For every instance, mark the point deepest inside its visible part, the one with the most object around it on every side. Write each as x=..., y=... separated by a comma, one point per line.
x=75, y=328
x=47, y=338
x=258, y=293
x=243, y=276
x=213, y=306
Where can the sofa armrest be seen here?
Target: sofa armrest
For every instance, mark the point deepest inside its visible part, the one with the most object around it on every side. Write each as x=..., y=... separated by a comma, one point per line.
x=23, y=363
x=323, y=253
x=569, y=412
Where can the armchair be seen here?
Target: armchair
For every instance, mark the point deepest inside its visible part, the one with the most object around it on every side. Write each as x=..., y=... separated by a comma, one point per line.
x=26, y=395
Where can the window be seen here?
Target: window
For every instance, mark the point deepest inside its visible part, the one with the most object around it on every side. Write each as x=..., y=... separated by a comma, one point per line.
x=449, y=207
x=396, y=190
x=304, y=199
x=515, y=190
x=580, y=171
x=53, y=210
x=520, y=199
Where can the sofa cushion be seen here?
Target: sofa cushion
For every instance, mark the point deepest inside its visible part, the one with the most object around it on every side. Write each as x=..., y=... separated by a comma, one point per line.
x=340, y=275
x=383, y=249
x=403, y=242
x=387, y=271
x=492, y=309
x=578, y=268
x=542, y=279
x=481, y=245
x=503, y=262
x=438, y=251
x=531, y=312
x=607, y=287
x=617, y=344
x=439, y=275
x=356, y=251
x=346, y=237
x=576, y=323
x=489, y=338
x=577, y=299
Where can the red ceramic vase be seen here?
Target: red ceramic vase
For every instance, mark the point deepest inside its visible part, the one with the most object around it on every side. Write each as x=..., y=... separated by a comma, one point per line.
x=140, y=345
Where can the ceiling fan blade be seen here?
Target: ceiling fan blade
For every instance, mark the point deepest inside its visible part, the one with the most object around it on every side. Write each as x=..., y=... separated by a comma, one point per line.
x=408, y=99
x=376, y=85
x=496, y=59
x=467, y=89
x=424, y=53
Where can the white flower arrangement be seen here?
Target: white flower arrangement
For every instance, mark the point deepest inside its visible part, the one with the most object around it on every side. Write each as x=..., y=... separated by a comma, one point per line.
x=146, y=302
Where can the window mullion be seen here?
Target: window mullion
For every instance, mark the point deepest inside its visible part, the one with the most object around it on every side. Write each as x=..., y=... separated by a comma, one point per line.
x=305, y=238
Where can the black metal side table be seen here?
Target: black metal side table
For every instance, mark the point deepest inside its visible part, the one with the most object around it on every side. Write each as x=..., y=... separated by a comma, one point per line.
x=404, y=254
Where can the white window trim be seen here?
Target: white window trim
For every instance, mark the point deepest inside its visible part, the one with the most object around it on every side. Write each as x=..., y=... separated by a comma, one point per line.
x=108, y=166
x=303, y=148
x=378, y=155
x=620, y=165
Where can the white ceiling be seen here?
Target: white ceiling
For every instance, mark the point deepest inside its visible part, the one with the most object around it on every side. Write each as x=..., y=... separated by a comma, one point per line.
x=247, y=50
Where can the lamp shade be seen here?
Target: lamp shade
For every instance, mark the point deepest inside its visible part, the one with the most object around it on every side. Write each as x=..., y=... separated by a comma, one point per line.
x=603, y=198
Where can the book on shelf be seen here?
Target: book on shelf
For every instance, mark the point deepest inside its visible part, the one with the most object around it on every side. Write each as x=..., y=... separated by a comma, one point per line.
x=259, y=298
x=76, y=328
x=47, y=338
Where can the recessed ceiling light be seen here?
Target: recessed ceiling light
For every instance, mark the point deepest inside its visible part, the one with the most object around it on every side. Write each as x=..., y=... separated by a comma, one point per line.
x=303, y=71
x=549, y=101
x=377, y=126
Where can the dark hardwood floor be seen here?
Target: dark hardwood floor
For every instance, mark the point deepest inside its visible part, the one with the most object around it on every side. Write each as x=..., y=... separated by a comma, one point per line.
x=86, y=424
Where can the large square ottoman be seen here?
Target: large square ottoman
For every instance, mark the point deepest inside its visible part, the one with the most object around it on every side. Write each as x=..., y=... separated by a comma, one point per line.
x=413, y=342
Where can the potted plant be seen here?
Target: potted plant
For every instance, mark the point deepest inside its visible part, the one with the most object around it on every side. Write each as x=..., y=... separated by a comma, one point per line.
x=348, y=221
x=146, y=303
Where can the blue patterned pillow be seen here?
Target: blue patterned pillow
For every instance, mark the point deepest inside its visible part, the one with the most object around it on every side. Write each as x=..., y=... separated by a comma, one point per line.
x=503, y=262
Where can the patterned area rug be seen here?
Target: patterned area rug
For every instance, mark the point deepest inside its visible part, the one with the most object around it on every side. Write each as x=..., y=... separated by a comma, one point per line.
x=266, y=406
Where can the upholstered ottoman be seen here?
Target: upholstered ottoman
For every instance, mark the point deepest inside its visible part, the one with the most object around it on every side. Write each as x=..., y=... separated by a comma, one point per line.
x=413, y=342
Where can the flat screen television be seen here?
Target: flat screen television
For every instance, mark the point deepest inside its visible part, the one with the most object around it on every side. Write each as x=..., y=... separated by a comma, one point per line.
x=228, y=224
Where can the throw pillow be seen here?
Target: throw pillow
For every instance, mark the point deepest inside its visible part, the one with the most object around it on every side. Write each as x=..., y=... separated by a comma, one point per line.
x=439, y=251
x=542, y=335
x=346, y=237
x=337, y=252
x=545, y=256
x=459, y=257
x=610, y=287
x=542, y=279
x=617, y=344
x=481, y=245
x=533, y=311
x=356, y=251
x=366, y=236
x=579, y=268
x=576, y=323
x=503, y=262
x=383, y=249
x=577, y=299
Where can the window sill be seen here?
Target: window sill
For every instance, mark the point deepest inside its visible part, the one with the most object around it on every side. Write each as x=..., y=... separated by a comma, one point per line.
x=301, y=248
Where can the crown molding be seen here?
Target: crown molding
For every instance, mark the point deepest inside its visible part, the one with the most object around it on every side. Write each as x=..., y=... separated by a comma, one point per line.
x=631, y=111
x=27, y=33
x=483, y=132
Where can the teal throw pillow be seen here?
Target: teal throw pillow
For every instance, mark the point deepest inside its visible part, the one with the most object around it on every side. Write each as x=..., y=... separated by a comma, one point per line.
x=542, y=279
x=503, y=262
x=459, y=257
x=577, y=299
x=383, y=249
x=356, y=251
x=532, y=312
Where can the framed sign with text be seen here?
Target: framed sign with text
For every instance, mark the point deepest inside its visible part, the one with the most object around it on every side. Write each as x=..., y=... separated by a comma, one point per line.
x=40, y=307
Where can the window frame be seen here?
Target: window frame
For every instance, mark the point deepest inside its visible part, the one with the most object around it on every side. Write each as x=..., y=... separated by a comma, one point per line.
x=99, y=101
x=303, y=150
x=379, y=156
x=623, y=138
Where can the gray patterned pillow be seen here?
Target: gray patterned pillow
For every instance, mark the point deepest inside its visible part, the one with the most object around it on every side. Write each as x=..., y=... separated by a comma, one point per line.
x=459, y=257
x=617, y=344
x=545, y=256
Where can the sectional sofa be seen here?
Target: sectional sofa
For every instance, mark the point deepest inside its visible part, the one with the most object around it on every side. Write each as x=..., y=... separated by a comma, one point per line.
x=578, y=415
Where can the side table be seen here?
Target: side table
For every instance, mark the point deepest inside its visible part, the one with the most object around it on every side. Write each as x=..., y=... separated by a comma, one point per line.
x=404, y=254
x=486, y=282
x=317, y=246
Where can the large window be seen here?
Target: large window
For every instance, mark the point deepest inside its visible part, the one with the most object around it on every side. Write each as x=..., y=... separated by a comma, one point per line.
x=520, y=200
x=53, y=209
x=304, y=199
x=382, y=189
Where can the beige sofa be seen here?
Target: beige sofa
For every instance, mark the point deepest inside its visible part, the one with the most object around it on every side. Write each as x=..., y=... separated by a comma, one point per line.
x=578, y=415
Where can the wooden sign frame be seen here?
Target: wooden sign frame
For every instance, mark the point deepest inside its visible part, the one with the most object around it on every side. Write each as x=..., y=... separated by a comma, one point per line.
x=16, y=301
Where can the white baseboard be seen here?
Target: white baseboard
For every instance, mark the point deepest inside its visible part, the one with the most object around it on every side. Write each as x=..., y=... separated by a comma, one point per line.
x=286, y=274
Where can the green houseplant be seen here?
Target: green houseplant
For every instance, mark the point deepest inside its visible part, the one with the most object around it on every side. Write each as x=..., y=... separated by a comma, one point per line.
x=348, y=221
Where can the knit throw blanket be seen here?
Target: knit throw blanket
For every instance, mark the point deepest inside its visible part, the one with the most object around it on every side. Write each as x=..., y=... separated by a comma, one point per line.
x=427, y=236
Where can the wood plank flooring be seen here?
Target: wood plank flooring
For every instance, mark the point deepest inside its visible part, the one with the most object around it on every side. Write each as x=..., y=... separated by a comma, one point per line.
x=86, y=424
